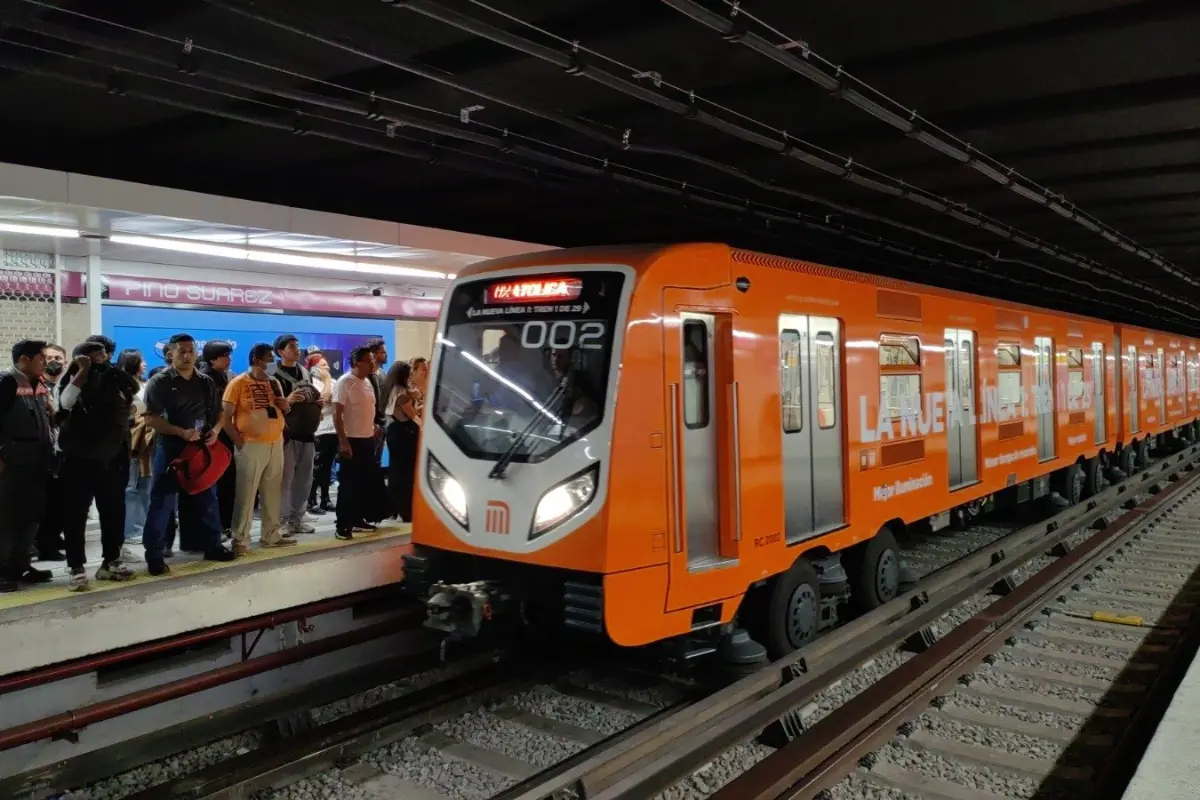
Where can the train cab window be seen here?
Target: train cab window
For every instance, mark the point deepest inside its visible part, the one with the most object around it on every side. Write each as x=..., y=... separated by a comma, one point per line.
x=791, y=389
x=1008, y=379
x=1076, y=385
x=695, y=373
x=826, y=377
x=899, y=373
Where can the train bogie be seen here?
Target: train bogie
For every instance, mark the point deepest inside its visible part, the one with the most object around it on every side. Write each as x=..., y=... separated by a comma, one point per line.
x=663, y=443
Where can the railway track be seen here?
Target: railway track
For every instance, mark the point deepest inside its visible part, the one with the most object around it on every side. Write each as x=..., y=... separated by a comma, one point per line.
x=501, y=720
x=824, y=696
x=499, y=725
x=1045, y=694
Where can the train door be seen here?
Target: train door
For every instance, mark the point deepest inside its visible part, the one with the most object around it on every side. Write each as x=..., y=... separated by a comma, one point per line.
x=810, y=396
x=696, y=450
x=1046, y=444
x=960, y=426
x=1131, y=379
x=1099, y=406
x=1160, y=386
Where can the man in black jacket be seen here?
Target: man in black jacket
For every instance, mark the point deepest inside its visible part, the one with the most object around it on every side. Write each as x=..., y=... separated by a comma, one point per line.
x=25, y=451
x=95, y=399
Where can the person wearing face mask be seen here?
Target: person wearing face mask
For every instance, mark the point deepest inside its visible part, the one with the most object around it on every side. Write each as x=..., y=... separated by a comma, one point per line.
x=256, y=408
x=50, y=544
x=96, y=400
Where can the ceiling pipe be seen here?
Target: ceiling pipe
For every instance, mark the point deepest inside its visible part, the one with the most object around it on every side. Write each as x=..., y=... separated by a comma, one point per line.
x=196, y=69
x=764, y=214
x=576, y=63
x=907, y=121
x=789, y=148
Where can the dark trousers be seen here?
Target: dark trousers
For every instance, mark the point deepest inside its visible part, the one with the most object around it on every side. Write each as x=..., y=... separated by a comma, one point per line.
x=323, y=458
x=187, y=521
x=23, y=502
x=50, y=531
x=84, y=480
x=402, y=466
x=164, y=494
x=225, y=487
x=354, y=481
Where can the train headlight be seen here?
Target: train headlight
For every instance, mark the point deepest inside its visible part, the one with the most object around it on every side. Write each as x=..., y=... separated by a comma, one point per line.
x=449, y=492
x=565, y=500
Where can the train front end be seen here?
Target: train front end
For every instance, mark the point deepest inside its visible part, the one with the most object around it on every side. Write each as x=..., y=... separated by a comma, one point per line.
x=512, y=476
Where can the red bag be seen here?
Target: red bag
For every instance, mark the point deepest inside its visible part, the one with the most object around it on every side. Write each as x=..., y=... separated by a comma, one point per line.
x=200, y=466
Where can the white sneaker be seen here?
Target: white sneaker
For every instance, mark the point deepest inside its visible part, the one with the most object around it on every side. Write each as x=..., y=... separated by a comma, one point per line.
x=78, y=582
x=129, y=555
x=300, y=526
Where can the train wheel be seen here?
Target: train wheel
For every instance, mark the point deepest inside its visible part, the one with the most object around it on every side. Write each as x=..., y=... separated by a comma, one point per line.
x=793, y=612
x=1093, y=474
x=1142, y=449
x=1128, y=461
x=874, y=571
x=1073, y=484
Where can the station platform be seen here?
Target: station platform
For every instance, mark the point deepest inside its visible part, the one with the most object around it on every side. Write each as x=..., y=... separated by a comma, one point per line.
x=53, y=625
x=1169, y=769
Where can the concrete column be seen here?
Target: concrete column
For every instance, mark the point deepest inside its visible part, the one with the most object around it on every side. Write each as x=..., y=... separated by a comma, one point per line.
x=95, y=288
x=414, y=338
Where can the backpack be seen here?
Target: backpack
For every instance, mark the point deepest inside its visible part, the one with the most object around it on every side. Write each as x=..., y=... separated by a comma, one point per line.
x=302, y=421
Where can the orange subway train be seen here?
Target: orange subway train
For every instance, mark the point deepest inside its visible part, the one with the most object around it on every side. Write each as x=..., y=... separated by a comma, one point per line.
x=717, y=448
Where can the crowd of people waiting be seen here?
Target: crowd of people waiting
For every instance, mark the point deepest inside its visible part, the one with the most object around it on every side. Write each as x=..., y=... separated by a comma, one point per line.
x=91, y=430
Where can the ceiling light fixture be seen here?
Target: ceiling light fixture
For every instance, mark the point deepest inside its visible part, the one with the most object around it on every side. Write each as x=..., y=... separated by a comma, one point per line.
x=39, y=230
x=275, y=257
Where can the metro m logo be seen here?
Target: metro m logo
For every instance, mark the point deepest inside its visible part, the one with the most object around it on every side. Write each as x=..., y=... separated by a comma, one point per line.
x=496, y=518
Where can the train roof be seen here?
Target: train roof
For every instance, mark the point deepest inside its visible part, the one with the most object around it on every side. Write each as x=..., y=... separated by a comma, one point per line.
x=642, y=257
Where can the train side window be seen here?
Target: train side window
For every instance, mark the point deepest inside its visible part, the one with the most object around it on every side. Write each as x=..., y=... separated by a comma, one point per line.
x=695, y=373
x=1193, y=375
x=826, y=382
x=1076, y=385
x=1008, y=379
x=900, y=373
x=790, y=387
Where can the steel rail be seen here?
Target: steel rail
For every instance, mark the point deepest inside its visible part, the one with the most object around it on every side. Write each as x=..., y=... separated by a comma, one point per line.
x=348, y=737
x=70, y=722
x=86, y=664
x=830, y=751
x=671, y=746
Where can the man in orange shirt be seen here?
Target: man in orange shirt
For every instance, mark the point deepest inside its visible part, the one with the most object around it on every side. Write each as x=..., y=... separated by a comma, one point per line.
x=255, y=405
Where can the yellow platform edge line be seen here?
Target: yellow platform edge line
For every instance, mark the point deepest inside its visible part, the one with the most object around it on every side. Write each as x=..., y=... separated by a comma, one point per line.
x=42, y=594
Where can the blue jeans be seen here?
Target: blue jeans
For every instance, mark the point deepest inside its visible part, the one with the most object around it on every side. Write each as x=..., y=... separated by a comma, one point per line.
x=164, y=499
x=137, y=502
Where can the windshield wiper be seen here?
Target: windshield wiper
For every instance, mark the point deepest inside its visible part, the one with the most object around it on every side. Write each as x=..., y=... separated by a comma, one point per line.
x=532, y=428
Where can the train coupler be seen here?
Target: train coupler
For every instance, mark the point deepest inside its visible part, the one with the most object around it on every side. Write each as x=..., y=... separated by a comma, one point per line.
x=462, y=609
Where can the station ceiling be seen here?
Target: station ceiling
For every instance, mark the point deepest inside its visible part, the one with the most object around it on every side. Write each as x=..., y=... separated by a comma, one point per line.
x=1045, y=151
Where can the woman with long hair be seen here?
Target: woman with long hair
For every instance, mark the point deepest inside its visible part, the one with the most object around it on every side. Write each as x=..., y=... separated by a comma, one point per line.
x=404, y=426
x=141, y=436
x=326, y=437
x=417, y=382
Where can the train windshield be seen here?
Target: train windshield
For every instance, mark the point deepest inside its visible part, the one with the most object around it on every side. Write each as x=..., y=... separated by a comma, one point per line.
x=525, y=361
